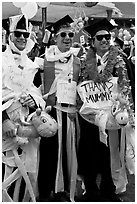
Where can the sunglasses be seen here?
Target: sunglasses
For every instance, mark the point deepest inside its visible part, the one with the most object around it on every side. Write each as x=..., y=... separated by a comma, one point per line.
x=18, y=34
x=64, y=34
x=100, y=37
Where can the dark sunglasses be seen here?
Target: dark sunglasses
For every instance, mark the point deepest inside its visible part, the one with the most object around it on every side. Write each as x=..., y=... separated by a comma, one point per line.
x=70, y=34
x=100, y=37
x=18, y=34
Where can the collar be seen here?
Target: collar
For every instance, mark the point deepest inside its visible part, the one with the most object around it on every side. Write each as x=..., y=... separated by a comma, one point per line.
x=13, y=52
x=102, y=59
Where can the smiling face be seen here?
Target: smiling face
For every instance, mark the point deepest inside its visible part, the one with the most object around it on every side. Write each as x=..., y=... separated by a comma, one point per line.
x=101, y=41
x=64, y=39
x=19, y=38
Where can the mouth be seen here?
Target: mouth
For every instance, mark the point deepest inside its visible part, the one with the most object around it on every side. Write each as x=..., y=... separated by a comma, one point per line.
x=66, y=42
x=122, y=125
x=104, y=44
x=21, y=42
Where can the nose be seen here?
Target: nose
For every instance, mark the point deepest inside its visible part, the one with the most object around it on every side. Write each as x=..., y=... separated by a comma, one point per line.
x=104, y=38
x=22, y=36
x=67, y=36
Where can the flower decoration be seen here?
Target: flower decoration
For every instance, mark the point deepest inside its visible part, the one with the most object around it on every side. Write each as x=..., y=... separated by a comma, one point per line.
x=80, y=20
x=89, y=72
x=125, y=36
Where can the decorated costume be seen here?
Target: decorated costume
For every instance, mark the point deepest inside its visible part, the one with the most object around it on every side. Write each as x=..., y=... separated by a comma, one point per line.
x=60, y=80
x=68, y=96
x=106, y=104
x=20, y=153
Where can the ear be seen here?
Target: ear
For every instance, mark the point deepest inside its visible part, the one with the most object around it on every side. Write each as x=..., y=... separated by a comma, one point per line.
x=11, y=37
x=48, y=109
x=38, y=112
x=54, y=38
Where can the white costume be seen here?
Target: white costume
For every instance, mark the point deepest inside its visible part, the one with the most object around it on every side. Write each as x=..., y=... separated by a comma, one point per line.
x=18, y=73
x=16, y=81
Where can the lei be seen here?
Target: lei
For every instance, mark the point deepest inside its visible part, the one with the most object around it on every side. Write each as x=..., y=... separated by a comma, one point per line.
x=115, y=67
x=89, y=66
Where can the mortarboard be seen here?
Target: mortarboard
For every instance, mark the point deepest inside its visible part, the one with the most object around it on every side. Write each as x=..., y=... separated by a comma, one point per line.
x=120, y=42
x=97, y=25
x=19, y=22
x=56, y=26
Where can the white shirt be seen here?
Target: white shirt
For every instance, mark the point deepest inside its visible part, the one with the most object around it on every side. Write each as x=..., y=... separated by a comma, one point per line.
x=103, y=61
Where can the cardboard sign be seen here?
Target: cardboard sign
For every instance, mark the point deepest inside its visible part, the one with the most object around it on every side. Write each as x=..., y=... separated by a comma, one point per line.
x=66, y=92
x=98, y=95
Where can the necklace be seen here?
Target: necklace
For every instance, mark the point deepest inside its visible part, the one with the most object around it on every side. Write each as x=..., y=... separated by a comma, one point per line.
x=65, y=60
x=115, y=65
x=90, y=71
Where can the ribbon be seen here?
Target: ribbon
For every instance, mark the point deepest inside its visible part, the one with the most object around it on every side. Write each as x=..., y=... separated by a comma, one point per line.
x=117, y=160
x=21, y=168
x=59, y=184
x=6, y=197
x=130, y=149
x=27, y=164
x=71, y=157
x=101, y=121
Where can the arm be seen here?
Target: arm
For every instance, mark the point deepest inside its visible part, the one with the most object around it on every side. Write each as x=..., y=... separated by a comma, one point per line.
x=8, y=128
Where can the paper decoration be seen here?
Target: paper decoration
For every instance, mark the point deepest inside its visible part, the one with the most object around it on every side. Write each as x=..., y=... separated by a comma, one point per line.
x=66, y=92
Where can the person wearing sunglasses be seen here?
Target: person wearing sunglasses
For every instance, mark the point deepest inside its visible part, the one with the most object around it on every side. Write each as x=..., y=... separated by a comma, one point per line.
x=60, y=65
x=94, y=157
x=19, y=37
x=18, y=73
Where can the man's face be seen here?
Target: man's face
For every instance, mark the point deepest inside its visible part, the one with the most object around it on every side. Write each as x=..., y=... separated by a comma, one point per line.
x=64, y=39
x=20, y=39
x=102, y=41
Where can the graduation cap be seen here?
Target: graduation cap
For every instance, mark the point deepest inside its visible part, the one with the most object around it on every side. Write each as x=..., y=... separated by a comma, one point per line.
x=19, y=22
x=120, y=42
x=97, y=25
x=54, y=28
x=66, y=20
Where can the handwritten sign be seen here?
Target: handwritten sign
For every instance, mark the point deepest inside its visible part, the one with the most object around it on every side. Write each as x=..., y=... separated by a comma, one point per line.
x=66, y=92
x=98, y=95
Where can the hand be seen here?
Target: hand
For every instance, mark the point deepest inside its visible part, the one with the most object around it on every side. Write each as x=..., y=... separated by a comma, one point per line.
x=8, y=128
x=29, y=101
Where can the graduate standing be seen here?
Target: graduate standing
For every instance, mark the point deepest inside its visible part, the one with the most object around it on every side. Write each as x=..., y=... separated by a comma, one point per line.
x=58, y=163
x=20, y=97
x=102, y=62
